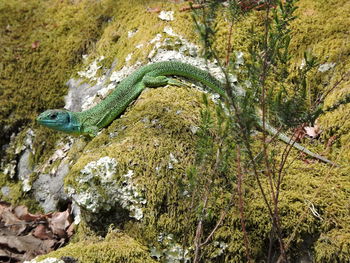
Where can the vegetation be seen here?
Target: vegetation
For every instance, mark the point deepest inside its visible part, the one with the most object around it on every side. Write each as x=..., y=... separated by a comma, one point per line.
x=284, y=96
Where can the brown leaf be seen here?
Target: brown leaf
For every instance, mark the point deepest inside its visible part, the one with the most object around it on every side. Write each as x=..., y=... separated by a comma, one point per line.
x=35, y=44
x=330, y=141
x=59, y=222
x=70, y=230
x=22, y=243
x=8, y=256
x=21, y=212
x=49, y=244
x=299, y=133
x=42, y=232
x=313, y=132
x=47, y=232
x=13, y=223
x=153, y=9
x=4, y=207
x=194, y=6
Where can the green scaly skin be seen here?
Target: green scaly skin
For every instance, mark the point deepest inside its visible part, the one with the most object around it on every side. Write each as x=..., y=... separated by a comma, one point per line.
x=153, y=75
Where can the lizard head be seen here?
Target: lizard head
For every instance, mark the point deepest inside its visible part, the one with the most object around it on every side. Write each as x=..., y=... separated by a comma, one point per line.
x=61, y=120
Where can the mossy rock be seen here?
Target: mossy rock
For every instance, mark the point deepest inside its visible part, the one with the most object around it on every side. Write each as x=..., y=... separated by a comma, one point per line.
x=114, y=248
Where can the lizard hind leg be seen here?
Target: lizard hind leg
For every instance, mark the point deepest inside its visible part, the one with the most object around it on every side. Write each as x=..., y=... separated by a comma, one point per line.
x=159, y=81
x=154, y=82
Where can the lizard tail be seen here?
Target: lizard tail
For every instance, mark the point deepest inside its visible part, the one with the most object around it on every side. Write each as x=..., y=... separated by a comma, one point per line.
x=283, y=137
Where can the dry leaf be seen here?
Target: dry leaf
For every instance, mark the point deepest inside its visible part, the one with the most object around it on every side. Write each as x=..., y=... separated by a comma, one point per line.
x=70, y=230
x=153, y=9
x=313, y=132
x=4, y=207
x=42, y=232
x=59, y=222
x=35, y=44
x=13, y=223
x=21, y=243
x=299, y=133
x=23, y=236
x=20, y=211
x=194, y=6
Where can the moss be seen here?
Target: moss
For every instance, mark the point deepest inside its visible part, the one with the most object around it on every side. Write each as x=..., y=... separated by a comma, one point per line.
x=116, y=247
x=39, y=52
x=146, y=25
x=17, y=196
x=322, y=29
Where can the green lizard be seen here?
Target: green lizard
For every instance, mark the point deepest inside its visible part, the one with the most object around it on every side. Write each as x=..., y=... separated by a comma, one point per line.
x=154, y=75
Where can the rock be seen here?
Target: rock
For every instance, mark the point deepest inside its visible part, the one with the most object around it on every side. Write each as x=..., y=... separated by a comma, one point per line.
x=48, y=188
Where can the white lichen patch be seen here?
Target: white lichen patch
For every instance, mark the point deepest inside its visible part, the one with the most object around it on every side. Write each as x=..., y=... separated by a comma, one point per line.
x=98, y=188
x=139, y=46
x=21, y=165
x=61, y=152
x=166, y=15
x=5, y=191
x=23, y=152
x=128, y=57
x=46, y=260
x=168, y=30
x=220, y=248
x=157, y=38
x=105, y=90
x=88, y=101
x=194, y=129
x=27, y=143
x=10, y=169
x=131, y=33
x=119, y=75
x=26, y=185
x=326, y=66
x=184, y=44
x=239, y=59
x=172, y=161
x=171, y=251
x=92, y=69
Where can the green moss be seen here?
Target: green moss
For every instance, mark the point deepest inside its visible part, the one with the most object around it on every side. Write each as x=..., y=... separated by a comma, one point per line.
x=16, y=195
x=322, y=29
x=136, y=17
x=116, y=247
x=41, y=45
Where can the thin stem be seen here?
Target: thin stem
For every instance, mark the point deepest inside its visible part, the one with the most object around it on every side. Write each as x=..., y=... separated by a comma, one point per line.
x=241, y=205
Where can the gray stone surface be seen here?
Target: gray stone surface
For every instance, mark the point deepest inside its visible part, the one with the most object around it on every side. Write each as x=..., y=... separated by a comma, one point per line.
x=48, y=188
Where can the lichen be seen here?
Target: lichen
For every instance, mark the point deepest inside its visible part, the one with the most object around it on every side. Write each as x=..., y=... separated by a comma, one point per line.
x=97, y=189
x=46, y=260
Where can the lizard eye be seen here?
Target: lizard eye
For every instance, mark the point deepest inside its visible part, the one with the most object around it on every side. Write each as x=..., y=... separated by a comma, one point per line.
x=53, y=116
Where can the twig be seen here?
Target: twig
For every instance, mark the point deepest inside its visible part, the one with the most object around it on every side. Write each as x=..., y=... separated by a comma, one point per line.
x=336, y=84
x=199, y=232
x=229, y=45
x=222, y=216
x=241, y=204
x=192, y=6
